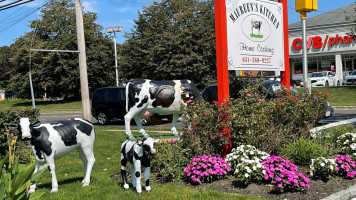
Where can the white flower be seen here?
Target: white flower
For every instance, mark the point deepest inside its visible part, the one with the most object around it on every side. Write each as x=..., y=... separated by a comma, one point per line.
x=331, y=167
x=259, y=165
x=234, y=157
x=322, y=164
x=254, y=168
x=246, y=175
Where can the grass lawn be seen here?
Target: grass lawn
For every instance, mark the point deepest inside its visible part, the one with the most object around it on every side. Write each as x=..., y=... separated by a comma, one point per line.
x=69, y=170
x=44, y=106
x=339, y=96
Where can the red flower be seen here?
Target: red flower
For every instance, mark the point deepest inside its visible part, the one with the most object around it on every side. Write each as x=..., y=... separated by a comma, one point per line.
x=193, y=125
x=326, y=94
x=214, y=136
x=278, y=100
x=220, y=133
x=295, y=99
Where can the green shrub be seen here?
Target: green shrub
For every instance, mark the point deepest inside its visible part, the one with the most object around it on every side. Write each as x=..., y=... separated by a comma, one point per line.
x=204, y=126
x=268, y=124
x=170, y=161
x=302, y=151
x=12, y=116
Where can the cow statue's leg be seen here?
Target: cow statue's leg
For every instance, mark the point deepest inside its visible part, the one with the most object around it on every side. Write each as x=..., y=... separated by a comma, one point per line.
x=174, y=124
x=33, y=186
x=123, y=171
x=140, y=127
x=84, y=159
x=89, y=155
x=132, y=170
x=147, y=175
x=133, y=113
x=52, y=169
x=137, y=165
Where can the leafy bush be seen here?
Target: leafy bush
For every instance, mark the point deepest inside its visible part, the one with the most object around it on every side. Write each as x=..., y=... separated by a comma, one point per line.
x=284, y=175
x=206, y=168
x=267, y=124
x=204, y=126
x=169, y=163
x=346, y=166
x=323, y=168
x=12, y=116
x=302, y=151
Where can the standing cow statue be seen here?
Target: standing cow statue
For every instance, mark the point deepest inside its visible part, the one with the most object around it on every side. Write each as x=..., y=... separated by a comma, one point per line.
x=138, y=154
x=145, y=97
x=54, y=140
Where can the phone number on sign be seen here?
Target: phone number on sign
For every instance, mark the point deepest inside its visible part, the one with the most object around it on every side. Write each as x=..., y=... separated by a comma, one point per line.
x=255, y=60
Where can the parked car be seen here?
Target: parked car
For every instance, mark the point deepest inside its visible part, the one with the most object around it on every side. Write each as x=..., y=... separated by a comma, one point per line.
x=210, y=93
x=325, y=79
x=110, y=103
x=350, y=79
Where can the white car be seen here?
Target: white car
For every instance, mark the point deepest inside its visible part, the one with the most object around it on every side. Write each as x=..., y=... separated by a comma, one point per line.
x=325, y=79
x=350, y=79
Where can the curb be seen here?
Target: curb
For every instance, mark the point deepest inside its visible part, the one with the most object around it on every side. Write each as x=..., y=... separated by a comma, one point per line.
x=343, y=194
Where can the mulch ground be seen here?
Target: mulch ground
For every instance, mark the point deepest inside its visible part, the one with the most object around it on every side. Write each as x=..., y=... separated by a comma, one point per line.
x=318, y=189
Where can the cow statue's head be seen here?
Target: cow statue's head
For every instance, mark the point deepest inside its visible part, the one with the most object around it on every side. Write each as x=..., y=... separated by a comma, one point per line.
x=148, y=146
x=26, y=127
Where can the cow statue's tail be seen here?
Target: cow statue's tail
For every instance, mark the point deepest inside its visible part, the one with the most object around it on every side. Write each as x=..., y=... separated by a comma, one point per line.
x=127, y=96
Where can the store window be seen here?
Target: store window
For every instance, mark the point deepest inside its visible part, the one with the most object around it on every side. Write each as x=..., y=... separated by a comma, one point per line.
x=348, y=65
x=298, y=68
x=312, y=67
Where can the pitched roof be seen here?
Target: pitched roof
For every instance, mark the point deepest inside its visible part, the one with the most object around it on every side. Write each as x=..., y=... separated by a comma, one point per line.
x=346, y=14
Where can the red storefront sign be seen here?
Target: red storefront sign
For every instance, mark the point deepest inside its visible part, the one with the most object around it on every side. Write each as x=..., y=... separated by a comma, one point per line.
x=318, y=42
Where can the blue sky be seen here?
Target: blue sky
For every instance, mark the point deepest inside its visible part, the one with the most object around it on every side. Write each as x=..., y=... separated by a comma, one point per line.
x=117, y=13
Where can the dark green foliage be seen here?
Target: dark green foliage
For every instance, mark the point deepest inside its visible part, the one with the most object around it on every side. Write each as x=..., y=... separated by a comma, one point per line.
x=170, y=161
x=12, y=116
x=57, y=74
x=302, y=151
x=268, y=124
x=172, y=40
x=5, y=66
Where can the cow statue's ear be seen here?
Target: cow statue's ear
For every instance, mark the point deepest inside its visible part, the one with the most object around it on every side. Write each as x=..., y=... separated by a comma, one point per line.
x=36, y=124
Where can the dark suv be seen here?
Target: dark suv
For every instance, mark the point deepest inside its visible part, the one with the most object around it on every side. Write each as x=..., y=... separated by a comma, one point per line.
x=109, y=103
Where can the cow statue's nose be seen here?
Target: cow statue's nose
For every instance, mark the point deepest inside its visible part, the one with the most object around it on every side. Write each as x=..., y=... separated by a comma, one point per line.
x=153, y=151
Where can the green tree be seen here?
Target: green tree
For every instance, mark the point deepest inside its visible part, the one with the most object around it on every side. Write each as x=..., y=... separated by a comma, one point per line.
x=5, y=66
x=57, y=74
x=172, y=39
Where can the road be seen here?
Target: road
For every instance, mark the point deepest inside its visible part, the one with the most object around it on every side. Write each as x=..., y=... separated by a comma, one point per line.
x=339, y=115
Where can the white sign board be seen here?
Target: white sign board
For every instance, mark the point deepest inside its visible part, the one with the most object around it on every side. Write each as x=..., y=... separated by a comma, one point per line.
x=255, y=35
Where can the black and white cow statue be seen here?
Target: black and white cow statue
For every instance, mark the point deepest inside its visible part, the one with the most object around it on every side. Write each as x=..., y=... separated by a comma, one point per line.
x=145, y=97
x=54, y=140
x=256, y=25
x=138, y=154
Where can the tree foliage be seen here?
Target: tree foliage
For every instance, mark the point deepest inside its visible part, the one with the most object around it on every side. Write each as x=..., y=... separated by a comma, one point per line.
x=55, y=73
x=5, y=66
x=172, y=39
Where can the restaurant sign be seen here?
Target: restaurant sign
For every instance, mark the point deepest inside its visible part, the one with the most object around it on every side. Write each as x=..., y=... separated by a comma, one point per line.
x=255, y=35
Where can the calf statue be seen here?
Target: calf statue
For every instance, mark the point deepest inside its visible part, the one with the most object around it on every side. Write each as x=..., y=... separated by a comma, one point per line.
x=138, y=154
x=54, y=140
x=145, y=97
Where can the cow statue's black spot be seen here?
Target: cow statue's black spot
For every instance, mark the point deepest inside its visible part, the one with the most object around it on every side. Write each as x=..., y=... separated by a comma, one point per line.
x=40, y=141
x=163, y=95
x=68, y=133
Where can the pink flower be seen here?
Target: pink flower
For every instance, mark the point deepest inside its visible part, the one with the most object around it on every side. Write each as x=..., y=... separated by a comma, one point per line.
x=205, y=113
x=278, y=101
x=248, y=94
x=326, y=94
x=280, y=185
x=194, y=125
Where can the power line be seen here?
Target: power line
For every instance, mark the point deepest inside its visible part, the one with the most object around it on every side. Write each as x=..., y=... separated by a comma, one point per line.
x=5, y=7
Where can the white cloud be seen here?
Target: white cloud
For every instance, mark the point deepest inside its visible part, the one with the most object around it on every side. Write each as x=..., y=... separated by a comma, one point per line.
x=90, y=6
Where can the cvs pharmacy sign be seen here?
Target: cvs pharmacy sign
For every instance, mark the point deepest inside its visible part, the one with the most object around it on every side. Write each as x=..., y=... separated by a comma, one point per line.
x=318, y=42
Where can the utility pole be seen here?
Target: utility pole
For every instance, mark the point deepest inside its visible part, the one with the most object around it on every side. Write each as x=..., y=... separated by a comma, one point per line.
x=82, y=61
x=304, y=6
